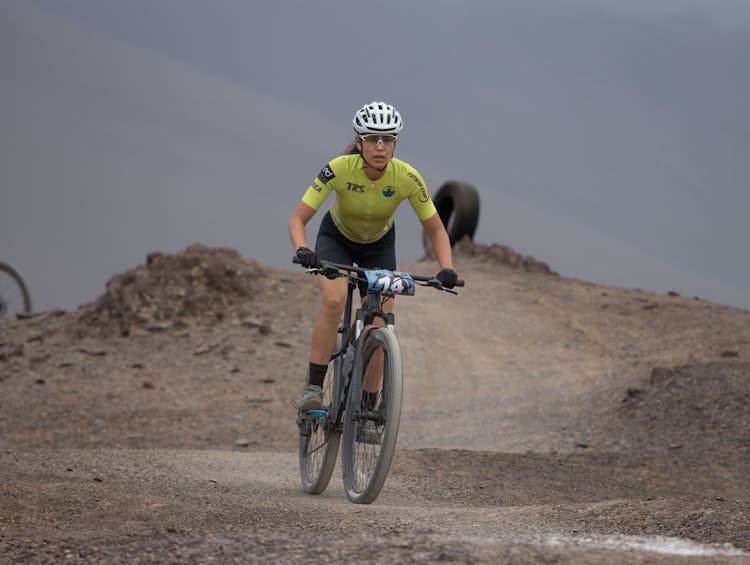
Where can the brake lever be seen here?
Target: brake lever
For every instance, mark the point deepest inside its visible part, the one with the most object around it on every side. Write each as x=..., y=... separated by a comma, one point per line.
x=437, y=285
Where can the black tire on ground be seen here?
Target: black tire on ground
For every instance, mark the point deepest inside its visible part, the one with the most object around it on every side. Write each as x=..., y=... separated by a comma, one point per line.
x=457, y=205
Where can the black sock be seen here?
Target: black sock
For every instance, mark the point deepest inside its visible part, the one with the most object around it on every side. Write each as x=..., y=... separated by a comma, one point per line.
x=317, y=374
x=370, y=399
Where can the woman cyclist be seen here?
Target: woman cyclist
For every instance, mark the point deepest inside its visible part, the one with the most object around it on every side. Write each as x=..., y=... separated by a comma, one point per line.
x=369, y=184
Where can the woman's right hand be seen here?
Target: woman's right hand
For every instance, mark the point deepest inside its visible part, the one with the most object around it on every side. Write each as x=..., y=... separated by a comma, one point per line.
x=307, y=257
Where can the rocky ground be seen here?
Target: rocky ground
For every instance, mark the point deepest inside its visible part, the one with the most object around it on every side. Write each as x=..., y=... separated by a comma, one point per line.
x=545, y=419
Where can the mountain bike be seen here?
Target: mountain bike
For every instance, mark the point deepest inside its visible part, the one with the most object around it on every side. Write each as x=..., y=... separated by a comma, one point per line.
x=14, y=294
x=363, y=388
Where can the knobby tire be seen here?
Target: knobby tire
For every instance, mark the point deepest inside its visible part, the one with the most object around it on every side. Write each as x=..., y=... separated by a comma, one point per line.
x=365, y=465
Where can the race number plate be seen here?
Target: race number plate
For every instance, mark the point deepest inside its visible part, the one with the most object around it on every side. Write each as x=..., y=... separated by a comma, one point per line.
x=393, y=282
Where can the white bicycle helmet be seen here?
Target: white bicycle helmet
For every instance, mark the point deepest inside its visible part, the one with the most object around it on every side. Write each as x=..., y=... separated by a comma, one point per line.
x=377, y=117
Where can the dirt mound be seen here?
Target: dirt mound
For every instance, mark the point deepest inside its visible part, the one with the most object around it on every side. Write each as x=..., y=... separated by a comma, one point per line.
x=497, y=254
x=167, y=399
x=695, y=407
x=199, y=284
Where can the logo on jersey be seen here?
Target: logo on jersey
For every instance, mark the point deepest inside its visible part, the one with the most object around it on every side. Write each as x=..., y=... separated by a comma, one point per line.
x=389, y=191
x=423, y=196
x=351, y=187
x=326, y=174
x=315, y=187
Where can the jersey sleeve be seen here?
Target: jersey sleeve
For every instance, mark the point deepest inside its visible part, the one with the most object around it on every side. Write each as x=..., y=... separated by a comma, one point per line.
x=419, y=198
x=320, y=188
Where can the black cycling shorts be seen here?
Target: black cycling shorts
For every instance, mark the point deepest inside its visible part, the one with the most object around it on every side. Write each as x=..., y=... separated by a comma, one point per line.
x=332, y=245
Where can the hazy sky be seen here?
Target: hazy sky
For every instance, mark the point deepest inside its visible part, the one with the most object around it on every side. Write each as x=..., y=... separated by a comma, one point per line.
x=609, y=138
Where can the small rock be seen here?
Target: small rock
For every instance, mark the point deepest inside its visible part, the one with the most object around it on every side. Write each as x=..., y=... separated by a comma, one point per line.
x=261, y=327
x=92, y=352
x=632, y=392
x=205, y=348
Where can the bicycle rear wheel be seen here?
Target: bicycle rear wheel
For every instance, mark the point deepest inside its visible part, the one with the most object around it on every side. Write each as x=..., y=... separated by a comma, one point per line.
x=318, y=440
x=372, y=420
x=14, y=294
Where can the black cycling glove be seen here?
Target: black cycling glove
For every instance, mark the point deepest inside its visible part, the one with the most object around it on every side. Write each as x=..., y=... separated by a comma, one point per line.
x=447, y=278
x=307, y=257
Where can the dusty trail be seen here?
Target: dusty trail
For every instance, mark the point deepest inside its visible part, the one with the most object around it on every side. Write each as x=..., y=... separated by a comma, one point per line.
x=548, y=420
x=249, y=504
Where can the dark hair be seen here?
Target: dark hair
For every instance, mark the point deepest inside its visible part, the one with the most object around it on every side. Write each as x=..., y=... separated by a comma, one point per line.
x=352, y=150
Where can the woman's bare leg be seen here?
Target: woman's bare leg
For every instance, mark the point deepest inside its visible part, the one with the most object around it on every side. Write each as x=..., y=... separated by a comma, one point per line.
x=374, y=376
x=332, y=301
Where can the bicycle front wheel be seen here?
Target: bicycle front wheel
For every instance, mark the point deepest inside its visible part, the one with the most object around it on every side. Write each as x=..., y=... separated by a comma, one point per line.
x=14, y=294
x=318, y=440
x=373, y=416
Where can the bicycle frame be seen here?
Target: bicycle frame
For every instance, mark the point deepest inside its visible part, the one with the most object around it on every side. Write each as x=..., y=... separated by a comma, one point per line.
x=350, y=335
x=365, y=316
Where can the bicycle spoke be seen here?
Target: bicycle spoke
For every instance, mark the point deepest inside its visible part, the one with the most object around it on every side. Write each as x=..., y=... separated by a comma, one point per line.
x=370, y=429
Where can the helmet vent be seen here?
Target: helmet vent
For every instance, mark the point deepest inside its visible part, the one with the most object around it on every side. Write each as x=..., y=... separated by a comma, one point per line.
x=377, y=117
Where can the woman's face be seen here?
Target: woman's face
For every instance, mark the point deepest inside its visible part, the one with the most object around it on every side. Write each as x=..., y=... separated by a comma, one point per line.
x=376, y=149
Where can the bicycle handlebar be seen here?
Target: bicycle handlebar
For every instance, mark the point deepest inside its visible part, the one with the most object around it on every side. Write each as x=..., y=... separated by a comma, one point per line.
x=324, y=265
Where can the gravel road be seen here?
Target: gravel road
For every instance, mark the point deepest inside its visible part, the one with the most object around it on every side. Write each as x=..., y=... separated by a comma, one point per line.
x=545, y=420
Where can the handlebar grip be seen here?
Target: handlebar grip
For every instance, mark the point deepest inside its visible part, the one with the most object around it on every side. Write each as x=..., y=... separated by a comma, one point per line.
x=460, y=282
x=296, y=260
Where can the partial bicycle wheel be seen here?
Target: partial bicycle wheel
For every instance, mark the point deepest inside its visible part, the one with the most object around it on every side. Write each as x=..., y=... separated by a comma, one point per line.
x=14, y=294
x=372, y=419
x=318, y=441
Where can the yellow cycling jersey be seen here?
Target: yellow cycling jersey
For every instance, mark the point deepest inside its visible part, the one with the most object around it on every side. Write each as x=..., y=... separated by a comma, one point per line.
x=363, y=210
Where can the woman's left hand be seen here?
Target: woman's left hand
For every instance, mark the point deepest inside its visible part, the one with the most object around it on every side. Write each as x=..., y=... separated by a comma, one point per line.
x=447, y=278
